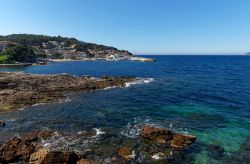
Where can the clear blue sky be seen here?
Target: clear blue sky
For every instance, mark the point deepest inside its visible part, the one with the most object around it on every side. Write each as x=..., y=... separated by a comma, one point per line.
x=141, y=26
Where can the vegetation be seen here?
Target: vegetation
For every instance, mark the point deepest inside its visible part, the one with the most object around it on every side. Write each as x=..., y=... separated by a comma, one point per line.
x=57, y=55
x=17, y=53
x=38, y=40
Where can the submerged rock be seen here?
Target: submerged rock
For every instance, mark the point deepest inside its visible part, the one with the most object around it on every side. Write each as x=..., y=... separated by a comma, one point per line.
x=159, y=135
x=2, y=123
x=182, y=140
x=215, y=151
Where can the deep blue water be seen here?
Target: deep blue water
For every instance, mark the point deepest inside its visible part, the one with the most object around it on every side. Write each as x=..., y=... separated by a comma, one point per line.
x=207, y=96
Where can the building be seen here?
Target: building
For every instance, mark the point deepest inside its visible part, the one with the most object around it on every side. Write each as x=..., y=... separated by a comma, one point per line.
x=5, y=44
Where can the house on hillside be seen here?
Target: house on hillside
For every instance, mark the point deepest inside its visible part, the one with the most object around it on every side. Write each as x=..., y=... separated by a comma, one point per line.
x=5, y=44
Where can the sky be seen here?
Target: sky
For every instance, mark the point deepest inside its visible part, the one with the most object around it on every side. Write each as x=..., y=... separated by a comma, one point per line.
x=140, y=26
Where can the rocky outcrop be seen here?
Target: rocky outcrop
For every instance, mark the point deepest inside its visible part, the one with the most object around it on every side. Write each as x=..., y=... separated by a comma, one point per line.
x=21, y=148
x=20, y=90
x=165, y=136
x=44, y=157
x=182, y=140
x=157, y=134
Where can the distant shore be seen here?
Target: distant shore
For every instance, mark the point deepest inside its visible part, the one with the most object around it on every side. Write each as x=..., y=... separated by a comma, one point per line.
x=16, y=65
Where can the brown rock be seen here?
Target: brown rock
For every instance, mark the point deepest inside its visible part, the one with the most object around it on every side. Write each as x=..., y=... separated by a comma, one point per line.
x=43, y=156
x=159, y=135
x=86, y=161
x=126, y=153
x=15, y=149
x=21, y=148
x=182, y=140
x=38, y=157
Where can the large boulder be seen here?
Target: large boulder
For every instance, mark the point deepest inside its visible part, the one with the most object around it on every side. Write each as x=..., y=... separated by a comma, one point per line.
x=182, y=140
x=17, y=148
x=46, y=157
x=159, y=135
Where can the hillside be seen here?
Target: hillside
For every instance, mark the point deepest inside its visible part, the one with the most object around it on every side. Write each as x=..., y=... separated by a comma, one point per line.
x=67, y=47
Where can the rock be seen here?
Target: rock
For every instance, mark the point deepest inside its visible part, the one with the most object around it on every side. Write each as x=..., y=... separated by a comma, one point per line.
x=20, y=90
x=43, y=156
x=158, y=156
x=159, y=135
x=21, y=148
x=182, y=140
x=86, y=161
x=38, y=157
x=126, y=153
x=16, y=148
x=2, y=123
x=215, y=151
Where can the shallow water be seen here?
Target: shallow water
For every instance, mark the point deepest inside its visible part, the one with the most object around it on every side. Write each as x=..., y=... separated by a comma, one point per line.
x=207, y=96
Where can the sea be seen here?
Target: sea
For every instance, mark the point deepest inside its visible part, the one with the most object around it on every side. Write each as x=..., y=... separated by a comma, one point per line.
x=205, y=96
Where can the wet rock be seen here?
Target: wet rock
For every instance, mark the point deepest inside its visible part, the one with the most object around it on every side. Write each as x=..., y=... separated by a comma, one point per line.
x=16, y=148
x=21, y=148
x=159, y=156
x=159, y=135
x=126, y=153
x=215, y=151
x=182, y=140
x=2, y=123
x=38, y=157
x=86, y=161
x=43, y=156
x=20, y=90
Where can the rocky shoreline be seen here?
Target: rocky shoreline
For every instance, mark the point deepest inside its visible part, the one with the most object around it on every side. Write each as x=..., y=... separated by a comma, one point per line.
x=156, y=144
x=21, y=90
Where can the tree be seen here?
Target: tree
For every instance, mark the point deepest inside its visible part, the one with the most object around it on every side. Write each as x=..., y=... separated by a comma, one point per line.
x=19, y=53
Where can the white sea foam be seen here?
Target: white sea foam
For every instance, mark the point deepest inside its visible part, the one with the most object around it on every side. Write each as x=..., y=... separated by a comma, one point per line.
x=98, y=132
x=139, y=81
x=132, y=129
x=107, y=88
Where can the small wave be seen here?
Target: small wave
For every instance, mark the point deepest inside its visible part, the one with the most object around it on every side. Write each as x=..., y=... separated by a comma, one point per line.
x=107, y=88
x=132, y=129
x=72, y=142
x=139, y=81
x=98, y=131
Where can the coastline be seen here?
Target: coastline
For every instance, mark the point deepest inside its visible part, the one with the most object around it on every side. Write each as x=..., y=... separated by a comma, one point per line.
x=16, y=65
x=21, y=90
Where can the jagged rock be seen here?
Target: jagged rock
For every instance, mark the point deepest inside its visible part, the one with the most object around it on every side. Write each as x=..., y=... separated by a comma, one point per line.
x=20, y=90
x=43, y=156
x=21, y=148
x=2, y=123
x=159, y=135
x=38, y=157
x=86, y=161
x=158, y=156
x=126, y=153
x=182, y=140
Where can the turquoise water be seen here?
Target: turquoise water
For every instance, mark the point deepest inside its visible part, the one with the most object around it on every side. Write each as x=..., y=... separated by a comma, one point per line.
x=207, y=96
